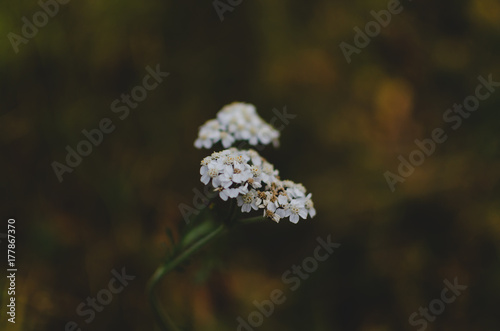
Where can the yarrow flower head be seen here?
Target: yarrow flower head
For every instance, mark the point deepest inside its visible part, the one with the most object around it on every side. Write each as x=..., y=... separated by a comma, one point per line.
x=247, y=177
x=236, y=122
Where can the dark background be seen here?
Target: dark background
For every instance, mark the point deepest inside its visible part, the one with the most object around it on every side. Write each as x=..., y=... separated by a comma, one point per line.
x=352, y=122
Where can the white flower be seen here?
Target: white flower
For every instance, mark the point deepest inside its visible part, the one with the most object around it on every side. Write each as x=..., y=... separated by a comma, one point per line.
x=247, y=201
x=229, y=193
x=204, y=140
x=264, y=198
x=270, y=211
x=282, y=213
x=255, y=184
x=295, y=190
x=283, y=200
x=206, y=161
x=296, y=209
x=265, y=135
x=269, y=174
x=255, y=157
x=241, y=173
x=258, y=176
x=308, y=203
x=227, y=139
x=208, y=135
x=236, y=121
x=208, y=172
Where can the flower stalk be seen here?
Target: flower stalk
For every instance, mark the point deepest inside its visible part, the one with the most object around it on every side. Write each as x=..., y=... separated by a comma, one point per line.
x=161, y=316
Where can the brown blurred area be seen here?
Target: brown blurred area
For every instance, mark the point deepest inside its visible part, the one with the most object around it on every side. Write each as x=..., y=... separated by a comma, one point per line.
x=352, y=122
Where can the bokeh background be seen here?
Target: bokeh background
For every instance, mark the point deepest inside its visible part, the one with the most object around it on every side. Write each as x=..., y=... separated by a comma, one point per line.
x=352, y=122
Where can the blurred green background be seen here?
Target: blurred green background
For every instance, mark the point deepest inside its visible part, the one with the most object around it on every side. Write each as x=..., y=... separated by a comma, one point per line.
x=352, y=122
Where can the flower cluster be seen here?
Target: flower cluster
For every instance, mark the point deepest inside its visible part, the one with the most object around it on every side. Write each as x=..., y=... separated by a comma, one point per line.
x=236, y=121
x=255, y=184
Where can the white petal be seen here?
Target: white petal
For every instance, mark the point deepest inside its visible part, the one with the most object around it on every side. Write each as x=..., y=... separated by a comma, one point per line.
x=205, y=179
x=283, y=200
x=207, y=143
x=294, y=218
x=198, y=143
x=281, y=213
x=233, y=192
x=216, y=182
x=223, y=195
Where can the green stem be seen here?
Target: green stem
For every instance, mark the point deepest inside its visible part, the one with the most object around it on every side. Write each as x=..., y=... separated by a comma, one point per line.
x=162, y=318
